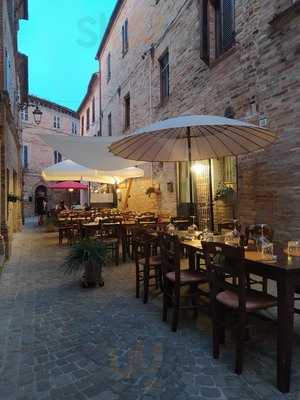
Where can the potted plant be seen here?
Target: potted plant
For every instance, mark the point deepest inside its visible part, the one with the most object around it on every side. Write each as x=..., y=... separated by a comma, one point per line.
x=87, y=256
x=151, y=190
x=225, y=193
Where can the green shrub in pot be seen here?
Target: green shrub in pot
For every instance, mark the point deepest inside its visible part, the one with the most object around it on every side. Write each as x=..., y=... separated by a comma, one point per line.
x=87, y=256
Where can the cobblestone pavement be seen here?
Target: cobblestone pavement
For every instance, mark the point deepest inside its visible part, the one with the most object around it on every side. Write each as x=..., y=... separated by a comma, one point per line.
x=58, y=341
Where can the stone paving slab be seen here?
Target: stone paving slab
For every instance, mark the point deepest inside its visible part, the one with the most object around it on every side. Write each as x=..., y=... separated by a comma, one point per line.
x=59, y=341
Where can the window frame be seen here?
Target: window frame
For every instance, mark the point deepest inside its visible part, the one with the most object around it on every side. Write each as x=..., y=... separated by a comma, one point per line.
x=24, y=114
x=25, y=164
x=108, y=66
x=125, y=40
x=74, y=128
x=109, y=124
x=87, y=122
x=220, y=47
x=57, y=157
x=56, y=122
x=82, y=125
x=164, y=96
x=127, y=111
x=93, y=110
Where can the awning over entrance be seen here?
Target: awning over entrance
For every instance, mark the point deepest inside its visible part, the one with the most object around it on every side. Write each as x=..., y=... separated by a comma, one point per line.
x=92, y=152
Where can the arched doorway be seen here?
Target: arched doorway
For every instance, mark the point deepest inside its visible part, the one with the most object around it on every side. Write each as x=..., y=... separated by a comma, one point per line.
x=40, y=191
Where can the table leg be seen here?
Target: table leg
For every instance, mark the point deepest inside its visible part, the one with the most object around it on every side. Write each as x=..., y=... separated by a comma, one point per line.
x=191, y=257
x=124, y=246
x=285, y=332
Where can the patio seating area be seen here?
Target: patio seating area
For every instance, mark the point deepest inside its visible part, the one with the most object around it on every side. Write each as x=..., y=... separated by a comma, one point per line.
x=107, y=344
x=177, y=264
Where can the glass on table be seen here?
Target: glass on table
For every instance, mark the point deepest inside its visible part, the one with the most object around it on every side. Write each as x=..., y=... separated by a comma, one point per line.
x=294, y=247
x=171, y=229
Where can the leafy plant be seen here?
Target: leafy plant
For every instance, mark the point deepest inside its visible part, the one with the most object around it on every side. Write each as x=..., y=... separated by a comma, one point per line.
x=12, y=198
x=224, y=192
x=87, y=256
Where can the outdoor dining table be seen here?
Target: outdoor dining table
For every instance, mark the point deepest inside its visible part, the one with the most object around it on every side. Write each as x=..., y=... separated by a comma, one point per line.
x=285, y=271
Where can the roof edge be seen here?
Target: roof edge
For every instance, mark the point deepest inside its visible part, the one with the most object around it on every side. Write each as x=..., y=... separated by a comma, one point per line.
x=112, y=19
x=93, y=79
x=52, y=105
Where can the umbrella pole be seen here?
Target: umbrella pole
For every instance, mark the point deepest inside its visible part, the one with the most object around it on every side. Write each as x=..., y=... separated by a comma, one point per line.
x=192, y=208
x=211, y=204
x=236, y=207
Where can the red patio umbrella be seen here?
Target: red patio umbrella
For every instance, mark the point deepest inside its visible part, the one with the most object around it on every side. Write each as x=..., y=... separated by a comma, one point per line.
x=67, y=185
x=70, y=186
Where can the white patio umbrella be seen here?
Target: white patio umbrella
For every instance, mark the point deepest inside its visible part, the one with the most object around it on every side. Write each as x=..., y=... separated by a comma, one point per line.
x=92, y=152
x=69, y=170
x=192, y=138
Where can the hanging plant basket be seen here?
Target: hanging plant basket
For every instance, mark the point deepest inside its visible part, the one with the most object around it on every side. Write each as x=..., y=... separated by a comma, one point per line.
x=12, y=198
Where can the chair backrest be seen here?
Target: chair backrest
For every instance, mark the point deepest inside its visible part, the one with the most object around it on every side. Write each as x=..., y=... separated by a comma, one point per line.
x=141, y=242
x=170, y=254
x=255, y=231
x=110, y=230
x=228, y=226
x=181, y=223
x=223, y=261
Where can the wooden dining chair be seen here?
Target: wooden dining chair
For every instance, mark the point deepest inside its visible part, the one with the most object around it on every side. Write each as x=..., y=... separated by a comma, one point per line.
x=228, y=226
x=252, y=232
x=181, y=223
x=148, y=265
x=225, y=261
x=178, y=284
x=110, y=235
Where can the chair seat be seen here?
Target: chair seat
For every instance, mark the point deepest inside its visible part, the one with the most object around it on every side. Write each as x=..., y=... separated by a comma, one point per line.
x=110, y=240
x=254, y=300
x=154, y=261
x=187, y=277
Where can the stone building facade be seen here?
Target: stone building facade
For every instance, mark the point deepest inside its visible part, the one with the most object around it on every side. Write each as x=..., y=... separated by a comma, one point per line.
x=13, y=91
x=89, y=109
x=89, y=116
x=37, y=155
x=239, y=59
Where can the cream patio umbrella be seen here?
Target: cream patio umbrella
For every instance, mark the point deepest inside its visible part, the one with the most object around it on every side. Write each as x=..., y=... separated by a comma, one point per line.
x=192, y=138
x=69, y=170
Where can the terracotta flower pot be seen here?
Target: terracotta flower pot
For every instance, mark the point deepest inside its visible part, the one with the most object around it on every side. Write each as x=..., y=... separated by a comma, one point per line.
x=92, y=275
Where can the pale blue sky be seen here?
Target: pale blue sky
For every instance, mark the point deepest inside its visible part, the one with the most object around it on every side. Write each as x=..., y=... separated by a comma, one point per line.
x=61, y=39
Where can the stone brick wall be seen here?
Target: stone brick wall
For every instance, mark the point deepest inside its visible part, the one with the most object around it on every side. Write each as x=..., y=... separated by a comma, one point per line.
x=10, y=138
x=258, y=78
x=40, y=155
x=93, y=92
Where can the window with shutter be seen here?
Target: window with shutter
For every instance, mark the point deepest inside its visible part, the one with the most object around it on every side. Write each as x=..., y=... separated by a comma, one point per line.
x=164, y=76
x=87, y=119
x=204, y=45
x=82, y=125
x=127, y=112
x=224, y=22
x=25, y=156
x=109, y=125
x=93, y=110
x=125, y=43
x=108, y=67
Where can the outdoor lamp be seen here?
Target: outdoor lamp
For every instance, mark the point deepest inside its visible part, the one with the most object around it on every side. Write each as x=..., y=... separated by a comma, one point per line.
x=71, y=190
x=199, y=168
x=37, y=115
